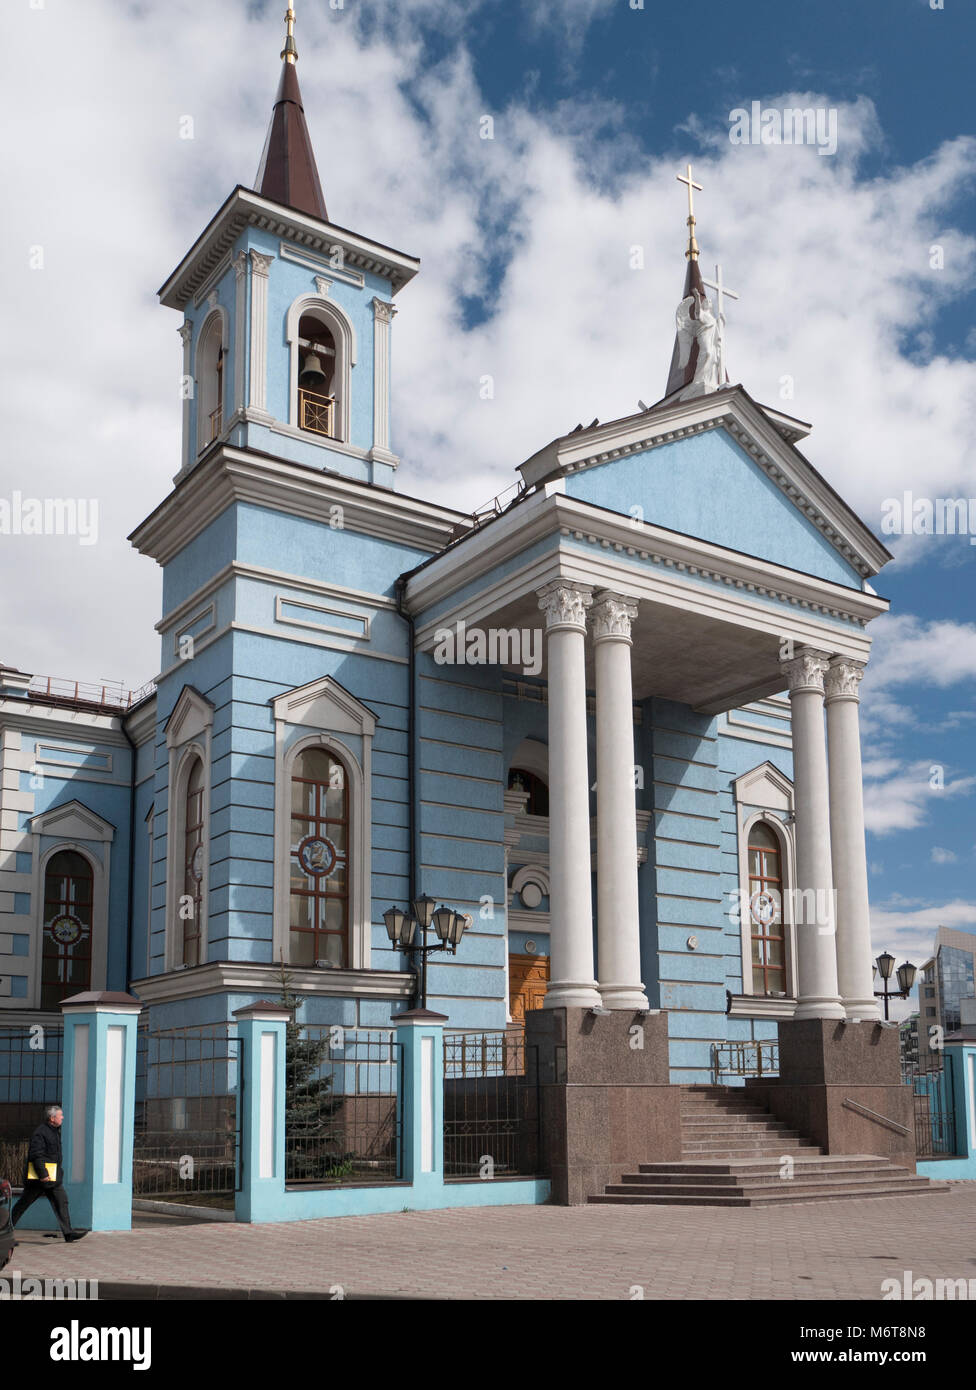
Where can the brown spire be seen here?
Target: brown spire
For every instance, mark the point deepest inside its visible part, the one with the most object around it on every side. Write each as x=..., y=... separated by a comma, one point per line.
x=287, y=173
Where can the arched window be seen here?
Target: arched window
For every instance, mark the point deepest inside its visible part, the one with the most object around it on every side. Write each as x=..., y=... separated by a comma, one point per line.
x=317, y=377
x=520, y=780
x=766, y=920
x=319, y=882
x=67, y=953
x=194, y=862
x=210, y=381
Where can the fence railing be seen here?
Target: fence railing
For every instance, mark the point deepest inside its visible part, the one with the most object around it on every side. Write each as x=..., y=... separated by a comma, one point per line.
x=491, y=1105
x=745, y=1059
x=343, y=1120
x=934, y=1105
x=187, y=1128
x=31, y=1064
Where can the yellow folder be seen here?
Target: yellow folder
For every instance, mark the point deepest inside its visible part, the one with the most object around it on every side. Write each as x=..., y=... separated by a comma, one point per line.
x=34, y=1176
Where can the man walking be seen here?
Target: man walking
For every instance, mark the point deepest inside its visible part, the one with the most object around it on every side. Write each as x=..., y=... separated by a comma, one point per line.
x=43, y=1175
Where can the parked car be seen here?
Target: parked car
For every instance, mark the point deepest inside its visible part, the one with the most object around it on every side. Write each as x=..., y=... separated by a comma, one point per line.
x=7, y=1241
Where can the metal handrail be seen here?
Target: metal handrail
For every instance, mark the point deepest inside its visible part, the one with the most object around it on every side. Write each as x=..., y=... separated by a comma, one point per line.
x=882, y=1119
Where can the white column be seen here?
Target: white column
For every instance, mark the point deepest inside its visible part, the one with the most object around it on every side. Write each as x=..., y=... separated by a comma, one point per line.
x=618, y=923
x=382, y=326
x=187, y=390
x=847, y=850
x=260, y=271
x=571, y=912
x=813, y=896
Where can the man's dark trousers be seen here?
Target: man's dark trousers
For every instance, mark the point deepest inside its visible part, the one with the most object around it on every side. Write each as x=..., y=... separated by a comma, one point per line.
x=54, y=1193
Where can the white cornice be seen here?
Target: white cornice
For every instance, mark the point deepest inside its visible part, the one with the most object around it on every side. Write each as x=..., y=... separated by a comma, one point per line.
x=759, y=434
x=234, y=475
x=736, y=585
x=246, y=977
x=38, y=718
x=245, y=208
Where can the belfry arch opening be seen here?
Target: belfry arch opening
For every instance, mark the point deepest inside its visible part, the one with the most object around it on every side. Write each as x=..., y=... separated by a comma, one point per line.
x=317, y=377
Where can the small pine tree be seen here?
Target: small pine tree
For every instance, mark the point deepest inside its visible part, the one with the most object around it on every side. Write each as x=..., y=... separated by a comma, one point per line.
x=313, y=1139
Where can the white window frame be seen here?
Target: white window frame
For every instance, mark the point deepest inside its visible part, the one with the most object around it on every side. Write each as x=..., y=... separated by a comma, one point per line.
x=188, y=736
x=783, y=833
x=327, y=711
x=82, y=829
x=344, y=336
x=215, y=325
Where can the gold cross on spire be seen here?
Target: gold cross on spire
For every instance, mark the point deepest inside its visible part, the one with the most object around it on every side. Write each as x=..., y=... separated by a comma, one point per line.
x=692, y=252
x=290, y=51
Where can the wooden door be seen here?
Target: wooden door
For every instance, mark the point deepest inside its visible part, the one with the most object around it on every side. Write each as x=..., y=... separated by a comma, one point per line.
x=528, y=977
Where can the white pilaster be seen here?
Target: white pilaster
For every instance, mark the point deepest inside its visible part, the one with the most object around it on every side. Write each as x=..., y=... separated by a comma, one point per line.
x=847, y=849
x=618, y=921
x=260, y=272
x=813, y=911
x=382, y=325
x=240, y=332
x=186, y=338
x=571, y=914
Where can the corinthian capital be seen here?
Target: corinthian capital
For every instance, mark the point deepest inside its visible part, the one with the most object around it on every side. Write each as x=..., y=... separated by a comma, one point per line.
x=260, y=263
x=382, y=311
x=806, y=671
x=612, y=616
x=843, y=678
x=565, y=604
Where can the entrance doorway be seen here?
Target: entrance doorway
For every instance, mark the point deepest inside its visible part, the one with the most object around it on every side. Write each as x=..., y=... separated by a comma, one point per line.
x=528, y=978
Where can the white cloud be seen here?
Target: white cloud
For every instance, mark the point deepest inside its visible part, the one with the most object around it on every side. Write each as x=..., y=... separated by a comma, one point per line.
x=943, y=856
x=908, y=931
x=96, y=173
x=900, y=796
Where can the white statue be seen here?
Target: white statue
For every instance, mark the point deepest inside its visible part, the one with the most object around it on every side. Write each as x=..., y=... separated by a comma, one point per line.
x=697, y=323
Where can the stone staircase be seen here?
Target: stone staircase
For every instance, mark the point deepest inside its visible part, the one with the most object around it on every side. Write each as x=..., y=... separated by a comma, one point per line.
x=732, y=1155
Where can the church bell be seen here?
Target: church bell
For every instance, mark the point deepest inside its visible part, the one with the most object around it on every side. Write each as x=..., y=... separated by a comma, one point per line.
x=312, y=374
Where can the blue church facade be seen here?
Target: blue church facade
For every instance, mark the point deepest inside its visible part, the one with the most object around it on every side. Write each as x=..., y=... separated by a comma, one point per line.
x=356, y=699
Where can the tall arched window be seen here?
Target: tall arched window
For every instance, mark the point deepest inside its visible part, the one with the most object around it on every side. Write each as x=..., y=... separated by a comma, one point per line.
x=67, y=952
x=319, y=891
x=766, y=911
x=194, y=857
x=210, y=381
x=317, y=377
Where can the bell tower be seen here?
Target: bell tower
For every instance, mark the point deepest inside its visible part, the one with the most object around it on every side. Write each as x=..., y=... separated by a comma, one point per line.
x=287, y=318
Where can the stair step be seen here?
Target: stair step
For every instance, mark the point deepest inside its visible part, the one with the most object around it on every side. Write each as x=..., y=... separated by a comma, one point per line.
x=813, y=1163
x=769, y=1198
x=768, y=1179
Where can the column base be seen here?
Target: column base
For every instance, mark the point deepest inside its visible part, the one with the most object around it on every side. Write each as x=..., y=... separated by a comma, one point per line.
x=573, y=994
x=862, y=1010
x=820, y=1008
x=629, y=997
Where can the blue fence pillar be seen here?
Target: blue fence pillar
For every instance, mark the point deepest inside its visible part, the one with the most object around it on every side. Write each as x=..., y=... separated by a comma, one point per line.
x=961, y=1057
x=261, y=1111
x=420, y=1035
x=98, y=1098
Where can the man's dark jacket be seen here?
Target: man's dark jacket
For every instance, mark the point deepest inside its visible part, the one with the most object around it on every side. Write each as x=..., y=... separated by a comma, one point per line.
x=45, y=1147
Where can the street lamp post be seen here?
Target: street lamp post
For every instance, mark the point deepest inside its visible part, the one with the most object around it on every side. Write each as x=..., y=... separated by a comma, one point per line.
x=884, y=966
x=401, y=927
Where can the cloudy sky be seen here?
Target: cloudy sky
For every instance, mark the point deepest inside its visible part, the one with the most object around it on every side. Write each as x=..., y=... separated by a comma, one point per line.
x=855, y=270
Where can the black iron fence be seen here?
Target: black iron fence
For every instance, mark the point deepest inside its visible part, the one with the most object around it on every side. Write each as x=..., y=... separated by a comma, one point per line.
x=934, y=1103
x=343, y=1114
x=187, y=1128
x=31, y=1064
x=491, y=1105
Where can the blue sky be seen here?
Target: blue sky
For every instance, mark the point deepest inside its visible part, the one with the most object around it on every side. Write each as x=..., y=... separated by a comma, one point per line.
x=526, y=242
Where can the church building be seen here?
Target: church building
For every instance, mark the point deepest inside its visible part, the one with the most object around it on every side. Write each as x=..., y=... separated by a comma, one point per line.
x=613, y=724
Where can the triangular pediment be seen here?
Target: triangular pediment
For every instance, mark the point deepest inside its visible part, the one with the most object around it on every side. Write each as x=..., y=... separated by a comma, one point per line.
x=724, y=469
x=192, y=715
x=325, y=704
x=765, y=786
x=73, y=821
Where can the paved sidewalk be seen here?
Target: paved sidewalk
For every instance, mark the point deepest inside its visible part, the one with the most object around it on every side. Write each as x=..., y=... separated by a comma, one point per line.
x=831, y=1250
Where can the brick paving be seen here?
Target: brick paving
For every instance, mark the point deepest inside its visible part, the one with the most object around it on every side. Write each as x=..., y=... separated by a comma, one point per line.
x=833, y=1250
